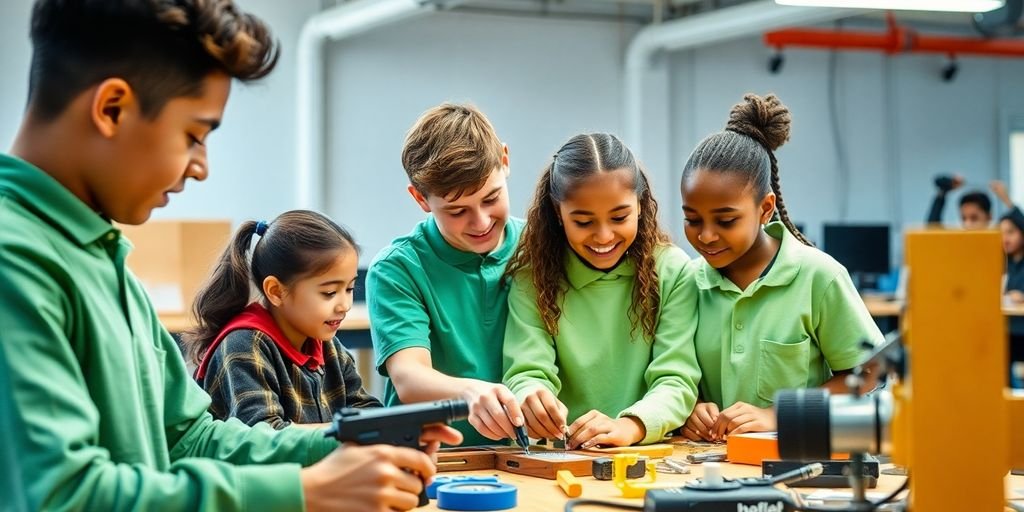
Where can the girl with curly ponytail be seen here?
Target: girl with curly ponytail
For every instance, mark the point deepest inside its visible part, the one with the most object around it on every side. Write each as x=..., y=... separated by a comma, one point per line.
x=598, y=290
x=774, y=312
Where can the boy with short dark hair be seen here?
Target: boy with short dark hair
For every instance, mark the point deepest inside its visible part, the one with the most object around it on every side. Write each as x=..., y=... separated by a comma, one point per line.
x=97, y=410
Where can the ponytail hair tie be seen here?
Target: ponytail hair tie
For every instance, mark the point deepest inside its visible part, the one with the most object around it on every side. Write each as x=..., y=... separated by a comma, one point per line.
x=261, y=227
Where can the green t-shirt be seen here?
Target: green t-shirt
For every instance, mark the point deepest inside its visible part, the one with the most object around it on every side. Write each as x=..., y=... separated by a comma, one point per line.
x=788, y=329
x=97, y=410
x=422, y=292
x=597, y=361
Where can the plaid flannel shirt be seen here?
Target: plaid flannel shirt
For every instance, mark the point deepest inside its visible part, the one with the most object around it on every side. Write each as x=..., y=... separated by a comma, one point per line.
x=250, y=379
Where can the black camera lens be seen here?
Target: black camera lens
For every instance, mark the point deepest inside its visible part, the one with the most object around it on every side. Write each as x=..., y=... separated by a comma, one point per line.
x=459, y=409
x=804, y=424
x=814, y=424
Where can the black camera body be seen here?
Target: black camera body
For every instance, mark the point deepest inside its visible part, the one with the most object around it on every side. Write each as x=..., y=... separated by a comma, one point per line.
x=400, y=425
x=736, y=498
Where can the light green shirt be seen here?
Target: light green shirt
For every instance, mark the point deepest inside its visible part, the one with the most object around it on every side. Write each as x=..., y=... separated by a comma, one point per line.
x=97, y=411
x=788, y=329
x=422, y=292
x=596, y=361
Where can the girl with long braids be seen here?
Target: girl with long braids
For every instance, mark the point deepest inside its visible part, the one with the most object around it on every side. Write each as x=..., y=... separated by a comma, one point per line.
x=774, y=312
x=601, y=307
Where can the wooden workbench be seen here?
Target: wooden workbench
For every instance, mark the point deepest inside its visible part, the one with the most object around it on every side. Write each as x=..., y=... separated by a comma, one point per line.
x=540, y=495
x=880, y=307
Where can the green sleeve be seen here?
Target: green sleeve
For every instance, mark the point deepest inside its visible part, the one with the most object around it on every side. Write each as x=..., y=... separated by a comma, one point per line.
x=529, y=350
x=49, y=424
x=192, y=431
x=673, y=373
x=398, y=310
x=842, y=321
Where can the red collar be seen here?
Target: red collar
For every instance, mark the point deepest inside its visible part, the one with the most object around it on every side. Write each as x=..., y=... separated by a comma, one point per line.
x=255, y=316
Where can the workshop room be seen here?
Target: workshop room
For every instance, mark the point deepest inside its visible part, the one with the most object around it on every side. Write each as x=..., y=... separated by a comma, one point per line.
x=543, y=255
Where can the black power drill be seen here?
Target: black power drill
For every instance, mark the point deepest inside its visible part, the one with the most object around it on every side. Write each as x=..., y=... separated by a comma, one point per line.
x=400, y=425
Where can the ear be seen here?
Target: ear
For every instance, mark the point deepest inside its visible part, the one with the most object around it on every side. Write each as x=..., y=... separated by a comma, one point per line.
x=420, y=199
x=274, y=290
x=767, y=207
x=505, y=160
x=112, y=100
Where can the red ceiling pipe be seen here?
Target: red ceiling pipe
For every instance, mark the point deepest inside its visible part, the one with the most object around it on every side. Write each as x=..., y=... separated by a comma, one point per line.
x=834, y=39
x=896, y=39
x=962, y=45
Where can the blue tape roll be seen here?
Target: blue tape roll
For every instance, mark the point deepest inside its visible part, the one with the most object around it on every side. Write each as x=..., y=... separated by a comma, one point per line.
x=445, y=479
x=476, y=496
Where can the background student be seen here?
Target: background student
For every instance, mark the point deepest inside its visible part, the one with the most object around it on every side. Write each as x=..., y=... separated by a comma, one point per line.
x=975, y=206
x=1011, y=226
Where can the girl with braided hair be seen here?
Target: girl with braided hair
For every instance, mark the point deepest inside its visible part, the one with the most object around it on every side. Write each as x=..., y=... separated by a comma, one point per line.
x=598, y=290
x=774, y=312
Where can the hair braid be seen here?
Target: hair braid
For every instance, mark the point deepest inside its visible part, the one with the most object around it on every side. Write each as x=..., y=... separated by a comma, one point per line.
x=780, y=205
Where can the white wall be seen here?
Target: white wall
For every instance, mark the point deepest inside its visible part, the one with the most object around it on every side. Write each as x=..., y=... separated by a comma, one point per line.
x=539, y=81
x=251, y=156
x=900, y=125
x=543, y=80
x=15, y=53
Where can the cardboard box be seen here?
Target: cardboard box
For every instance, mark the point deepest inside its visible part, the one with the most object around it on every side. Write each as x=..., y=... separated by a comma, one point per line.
x=174, y=258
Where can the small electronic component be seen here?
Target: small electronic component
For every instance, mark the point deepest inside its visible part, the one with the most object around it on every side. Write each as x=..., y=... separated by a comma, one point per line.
x=602, y=468
x=699, y=458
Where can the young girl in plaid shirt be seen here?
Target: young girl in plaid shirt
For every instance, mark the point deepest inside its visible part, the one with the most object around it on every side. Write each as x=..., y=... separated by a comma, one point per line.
x=278, y=359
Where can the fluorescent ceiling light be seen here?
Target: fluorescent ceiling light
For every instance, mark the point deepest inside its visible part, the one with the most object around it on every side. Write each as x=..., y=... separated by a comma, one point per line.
x=904, y=5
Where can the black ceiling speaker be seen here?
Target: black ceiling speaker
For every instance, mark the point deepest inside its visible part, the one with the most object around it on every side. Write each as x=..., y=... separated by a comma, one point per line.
x=1002, y=22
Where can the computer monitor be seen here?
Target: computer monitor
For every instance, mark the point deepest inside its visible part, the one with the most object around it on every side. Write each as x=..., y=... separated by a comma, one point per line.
x=862, y=248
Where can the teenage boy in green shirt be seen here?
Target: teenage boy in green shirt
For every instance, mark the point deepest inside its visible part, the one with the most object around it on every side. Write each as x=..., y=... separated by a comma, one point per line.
x=97, y=410
x=436, y=297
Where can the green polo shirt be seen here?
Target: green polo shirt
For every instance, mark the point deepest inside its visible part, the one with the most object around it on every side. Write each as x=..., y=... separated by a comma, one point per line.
x=597, y=361
x=788, y=329
x=97, y=411
x=422, y=292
